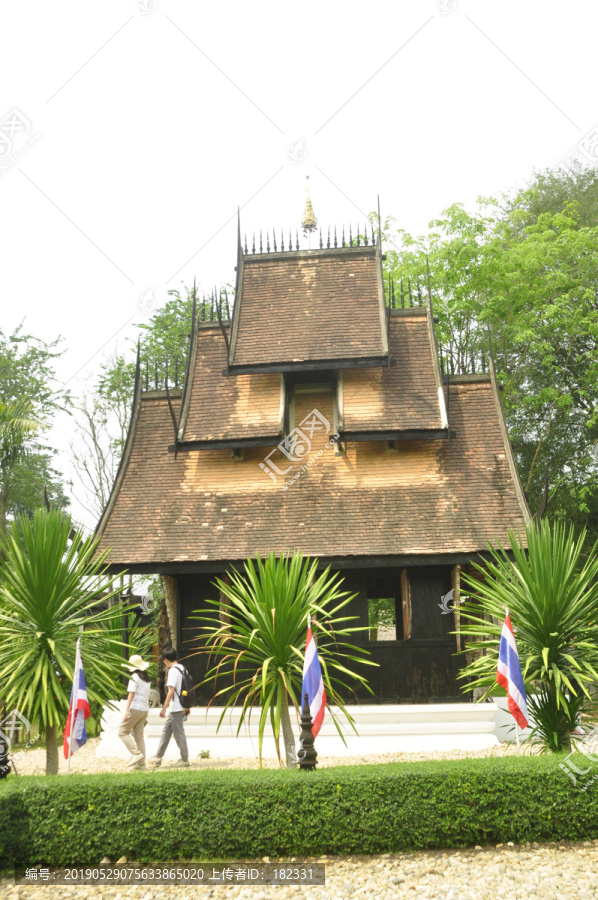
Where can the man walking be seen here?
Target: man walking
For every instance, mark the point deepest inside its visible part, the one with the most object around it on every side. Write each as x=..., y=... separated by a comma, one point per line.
x=175, y=717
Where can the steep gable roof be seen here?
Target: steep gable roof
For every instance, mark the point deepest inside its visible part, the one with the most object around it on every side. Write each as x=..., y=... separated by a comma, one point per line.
x=305, y=307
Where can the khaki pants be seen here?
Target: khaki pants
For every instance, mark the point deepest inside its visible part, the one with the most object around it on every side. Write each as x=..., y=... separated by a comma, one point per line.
x=131, y=733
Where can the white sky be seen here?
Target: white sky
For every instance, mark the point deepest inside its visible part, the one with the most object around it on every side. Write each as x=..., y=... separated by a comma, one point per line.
x=151, y=120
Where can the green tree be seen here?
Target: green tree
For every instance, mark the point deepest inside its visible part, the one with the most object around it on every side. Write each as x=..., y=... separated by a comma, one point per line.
x=29, y=397
x=551, y=593
x=53, y=589
x=260, y=644
x=525, y=276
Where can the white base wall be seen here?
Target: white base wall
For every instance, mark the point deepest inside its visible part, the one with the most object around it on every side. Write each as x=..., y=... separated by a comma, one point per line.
x=381, y=729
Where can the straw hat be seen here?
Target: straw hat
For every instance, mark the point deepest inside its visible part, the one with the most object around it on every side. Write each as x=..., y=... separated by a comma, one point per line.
x=136, y=662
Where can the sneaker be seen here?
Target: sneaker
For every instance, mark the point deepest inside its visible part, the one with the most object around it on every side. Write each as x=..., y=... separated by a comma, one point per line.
x=180, y=764
x=136, y=762
x=155, y=762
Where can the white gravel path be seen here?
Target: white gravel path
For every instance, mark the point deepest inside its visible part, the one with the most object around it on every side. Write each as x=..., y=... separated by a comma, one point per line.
x=530, y=871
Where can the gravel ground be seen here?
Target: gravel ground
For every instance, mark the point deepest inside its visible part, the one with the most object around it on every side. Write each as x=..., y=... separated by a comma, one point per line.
x=530, y=871
x=85, y=761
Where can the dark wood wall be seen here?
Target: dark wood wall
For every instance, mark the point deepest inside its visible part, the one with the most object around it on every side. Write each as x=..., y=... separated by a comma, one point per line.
x=420, y=669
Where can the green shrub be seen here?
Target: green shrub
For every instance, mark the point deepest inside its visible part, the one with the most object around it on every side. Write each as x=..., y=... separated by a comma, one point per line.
x=167, y=816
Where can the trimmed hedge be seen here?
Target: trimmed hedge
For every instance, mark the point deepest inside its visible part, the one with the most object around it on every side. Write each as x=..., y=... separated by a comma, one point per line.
x=180, y=815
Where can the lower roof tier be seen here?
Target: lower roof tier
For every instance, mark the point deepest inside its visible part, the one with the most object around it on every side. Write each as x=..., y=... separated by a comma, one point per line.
x=418, y=498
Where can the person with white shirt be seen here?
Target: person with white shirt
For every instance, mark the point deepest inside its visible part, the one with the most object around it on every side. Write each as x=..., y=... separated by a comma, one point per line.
x=135, y=717
x=176, y=715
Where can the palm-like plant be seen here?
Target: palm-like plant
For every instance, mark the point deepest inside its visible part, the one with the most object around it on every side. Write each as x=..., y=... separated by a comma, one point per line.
x=261, y=643
x=53, y=589
x=551, y=592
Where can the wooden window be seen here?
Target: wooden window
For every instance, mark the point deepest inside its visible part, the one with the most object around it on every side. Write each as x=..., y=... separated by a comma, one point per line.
x=384, y=617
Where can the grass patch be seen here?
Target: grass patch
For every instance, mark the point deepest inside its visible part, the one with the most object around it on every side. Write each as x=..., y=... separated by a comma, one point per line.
x=168, y=816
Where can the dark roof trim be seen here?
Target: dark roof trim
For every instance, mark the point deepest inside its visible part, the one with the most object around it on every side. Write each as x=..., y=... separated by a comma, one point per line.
x=415, y=434
x=362, y=250
x=507, y=442
x=335, y=562
x=187, y=389
x=356, y=362
x=227, y=444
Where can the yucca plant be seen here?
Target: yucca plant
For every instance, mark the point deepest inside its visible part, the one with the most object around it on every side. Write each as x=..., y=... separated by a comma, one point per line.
x=261, y=644
x=53, y=589
x=551, y=592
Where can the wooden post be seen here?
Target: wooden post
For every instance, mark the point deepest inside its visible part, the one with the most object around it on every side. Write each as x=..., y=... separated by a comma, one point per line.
x=456, y=586
x=308, y=757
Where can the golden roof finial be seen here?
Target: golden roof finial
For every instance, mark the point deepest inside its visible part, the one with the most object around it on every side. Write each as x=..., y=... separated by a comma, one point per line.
x=309, y=221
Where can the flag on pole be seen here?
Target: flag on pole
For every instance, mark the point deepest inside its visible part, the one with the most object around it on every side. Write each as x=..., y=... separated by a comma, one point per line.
x=78, y=710
x=509, y=674
x=313, y=683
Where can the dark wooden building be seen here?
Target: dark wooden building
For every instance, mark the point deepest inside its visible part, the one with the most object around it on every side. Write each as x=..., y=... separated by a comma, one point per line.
x=318, y=419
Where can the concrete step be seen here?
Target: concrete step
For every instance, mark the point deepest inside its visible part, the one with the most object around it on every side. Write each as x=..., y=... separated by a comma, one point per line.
x=381, y=729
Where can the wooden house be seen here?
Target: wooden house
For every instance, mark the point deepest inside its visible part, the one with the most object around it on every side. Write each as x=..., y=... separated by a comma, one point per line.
x=317, y=418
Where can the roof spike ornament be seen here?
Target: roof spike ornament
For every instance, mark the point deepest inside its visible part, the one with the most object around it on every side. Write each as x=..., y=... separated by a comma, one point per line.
x=308, y=222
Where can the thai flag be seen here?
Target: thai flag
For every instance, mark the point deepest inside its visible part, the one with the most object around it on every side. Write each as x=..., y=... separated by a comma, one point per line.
x=313, y=683
x=509, y=674
x=78, y=710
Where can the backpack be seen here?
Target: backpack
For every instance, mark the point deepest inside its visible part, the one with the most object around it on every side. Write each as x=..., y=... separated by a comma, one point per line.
x=187, y=696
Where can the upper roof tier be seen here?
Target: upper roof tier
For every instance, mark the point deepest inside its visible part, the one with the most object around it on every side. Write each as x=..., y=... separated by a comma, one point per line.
x=302, y=309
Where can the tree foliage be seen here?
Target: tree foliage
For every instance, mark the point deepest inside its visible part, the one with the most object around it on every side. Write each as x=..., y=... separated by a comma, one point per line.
x=29, y=397
x=523, y=279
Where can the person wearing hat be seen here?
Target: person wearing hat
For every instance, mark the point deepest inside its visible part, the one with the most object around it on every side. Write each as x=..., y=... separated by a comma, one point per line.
x=134, y=720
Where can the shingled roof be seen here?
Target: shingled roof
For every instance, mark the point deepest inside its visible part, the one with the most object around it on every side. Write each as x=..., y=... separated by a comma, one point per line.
x=220, y=408
x=405, y=398
x=298, y=308
x=422, y=500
